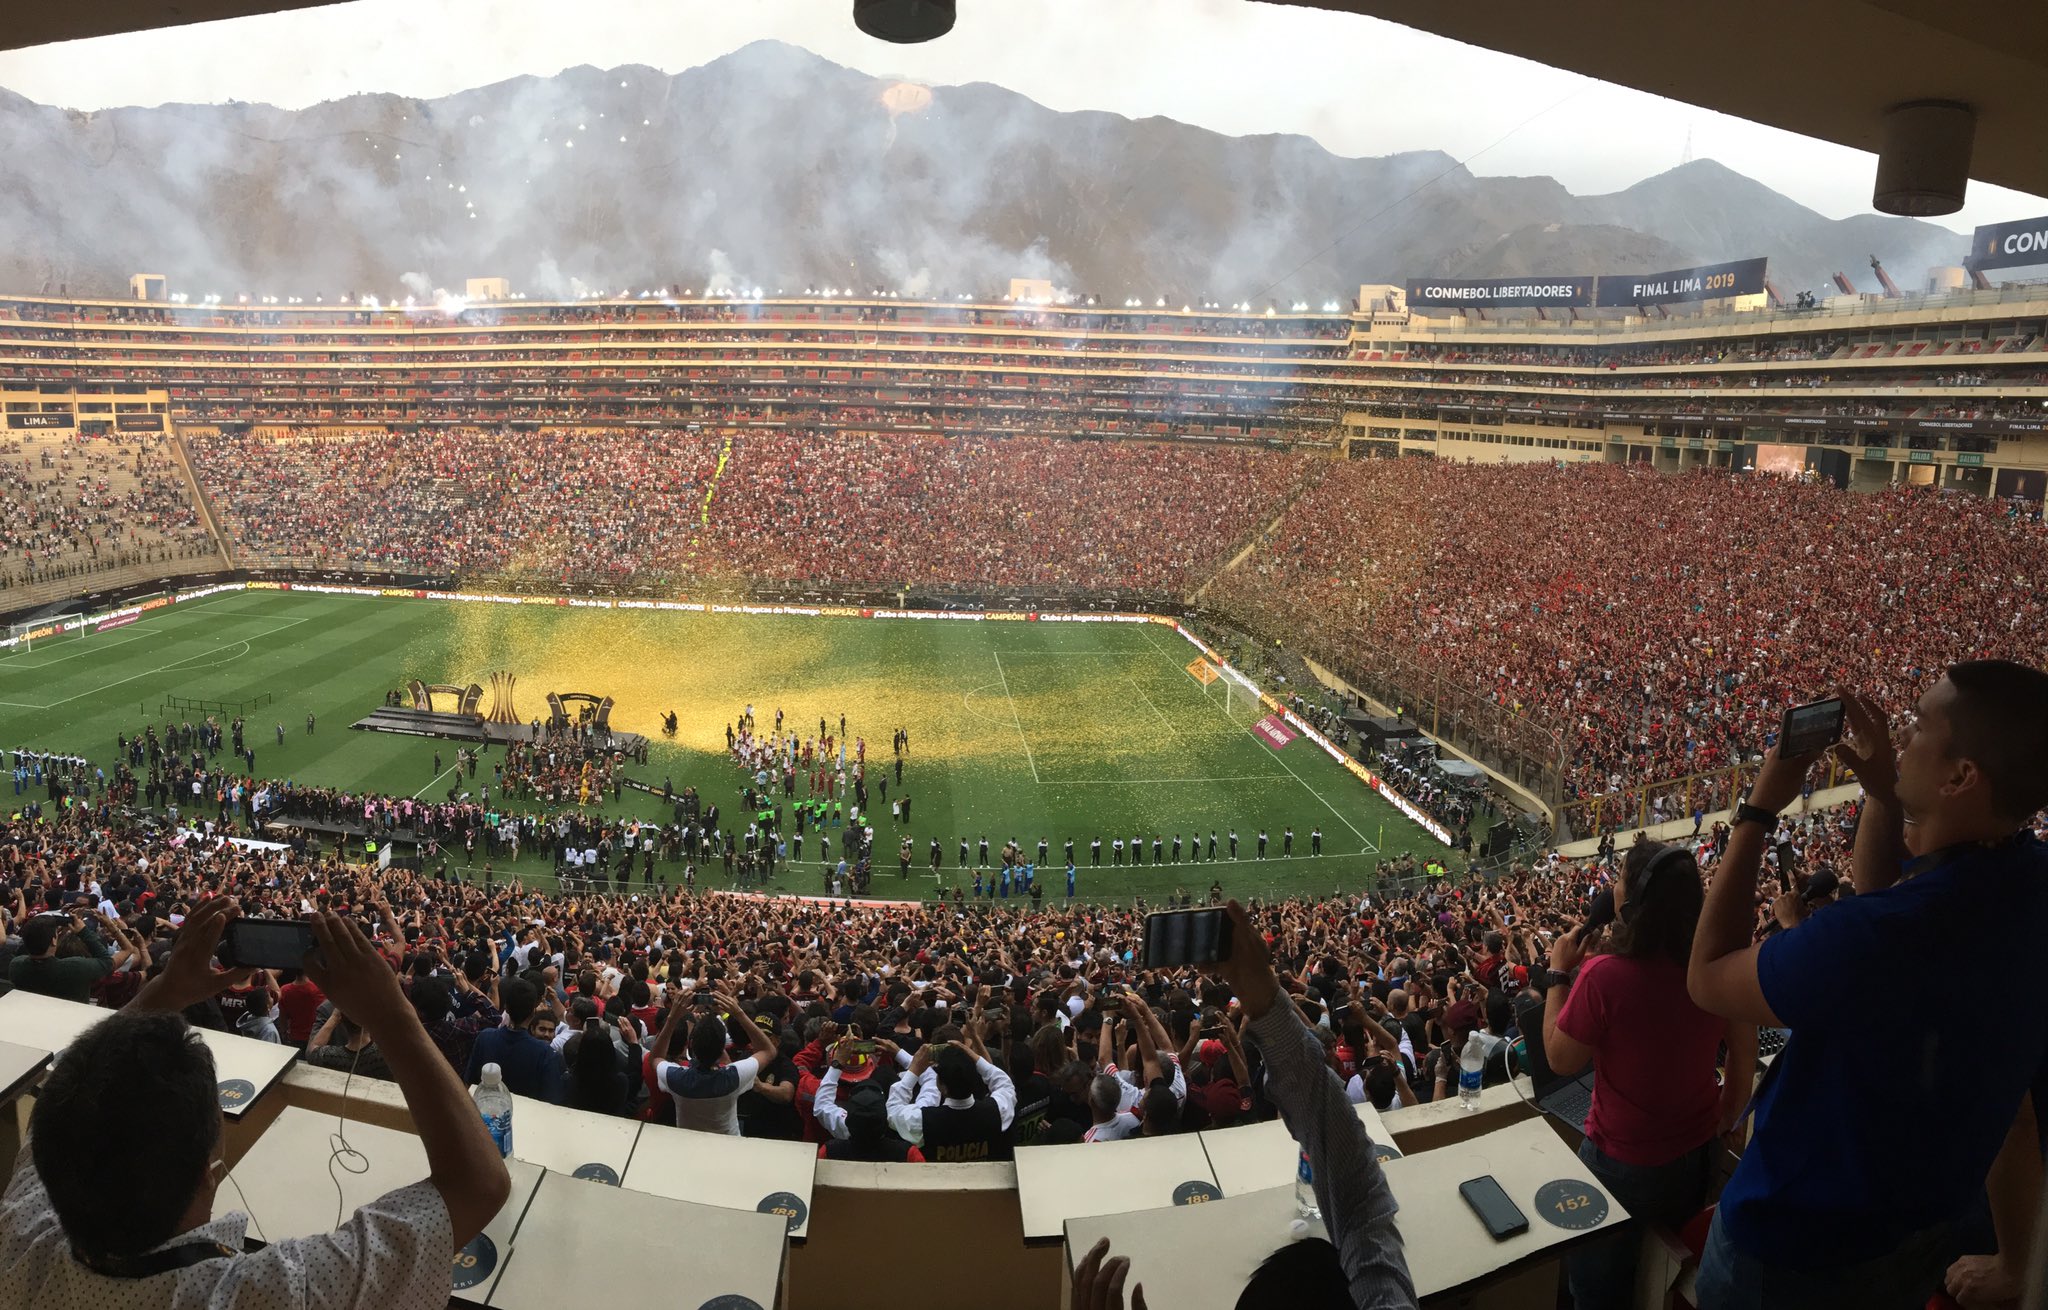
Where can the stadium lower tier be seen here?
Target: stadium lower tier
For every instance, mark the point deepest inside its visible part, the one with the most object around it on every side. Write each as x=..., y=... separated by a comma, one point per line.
x=1625, y=630
x=581, y=1002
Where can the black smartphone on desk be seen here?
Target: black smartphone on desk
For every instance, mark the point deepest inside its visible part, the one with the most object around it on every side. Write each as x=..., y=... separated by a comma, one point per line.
x=1502, y=1217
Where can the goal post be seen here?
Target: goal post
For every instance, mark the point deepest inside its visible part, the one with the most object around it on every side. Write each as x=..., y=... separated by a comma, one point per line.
x=23, y=637
x=1212, y=678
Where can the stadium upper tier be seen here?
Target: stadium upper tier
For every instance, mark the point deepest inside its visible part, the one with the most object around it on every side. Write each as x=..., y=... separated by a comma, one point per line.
x=1572, y=627
x=1956, y=376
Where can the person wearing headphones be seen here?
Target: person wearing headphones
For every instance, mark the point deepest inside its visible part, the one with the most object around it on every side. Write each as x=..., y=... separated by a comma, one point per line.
x=112, y=1199
x=1658, y=1109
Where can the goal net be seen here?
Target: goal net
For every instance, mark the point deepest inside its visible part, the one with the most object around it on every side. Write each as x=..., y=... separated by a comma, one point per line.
x=1219, y=685
x=22, y=637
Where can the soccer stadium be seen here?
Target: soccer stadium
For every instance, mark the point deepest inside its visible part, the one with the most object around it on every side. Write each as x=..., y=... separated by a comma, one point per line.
x=1378, y=791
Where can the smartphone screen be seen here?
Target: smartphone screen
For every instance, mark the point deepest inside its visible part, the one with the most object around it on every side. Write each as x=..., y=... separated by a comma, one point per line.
x=268, y=943
x=1502, y=1217
x=1180, y=937
x=1811, y=727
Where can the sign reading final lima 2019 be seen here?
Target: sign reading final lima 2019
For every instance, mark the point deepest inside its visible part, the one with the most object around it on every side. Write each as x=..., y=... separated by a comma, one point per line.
x=1742, y=277
x=2009, y=245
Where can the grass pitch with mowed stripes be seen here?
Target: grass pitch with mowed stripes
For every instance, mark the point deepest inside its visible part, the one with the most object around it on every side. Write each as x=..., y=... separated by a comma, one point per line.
x=1018, y=730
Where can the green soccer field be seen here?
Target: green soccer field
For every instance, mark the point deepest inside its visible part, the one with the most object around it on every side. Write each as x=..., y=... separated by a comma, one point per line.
x=1017, y=730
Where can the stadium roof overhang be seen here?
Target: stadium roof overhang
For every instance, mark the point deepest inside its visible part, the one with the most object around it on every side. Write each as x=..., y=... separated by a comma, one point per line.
x=1823, y=68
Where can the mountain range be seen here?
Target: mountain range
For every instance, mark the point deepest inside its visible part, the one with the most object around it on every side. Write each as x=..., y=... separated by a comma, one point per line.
x=774, y=168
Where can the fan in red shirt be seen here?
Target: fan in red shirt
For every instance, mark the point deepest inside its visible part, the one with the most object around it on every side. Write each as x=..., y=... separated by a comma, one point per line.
x=1657, y=1106
x=297, y=1004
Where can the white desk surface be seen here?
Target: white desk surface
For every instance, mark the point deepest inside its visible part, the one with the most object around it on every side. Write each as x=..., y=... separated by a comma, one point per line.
x=260, y=1064
x=737, y=1173
x=1195, y=1256
x=1447, y=1245
x=1253, y=1157
x=1058, y=1183
x=652, y=1250
x=1202, y=1255
x=51, y=1024
x=564, y=1140
x=18, y=1065
x=44, y=1021
x=284, y=1180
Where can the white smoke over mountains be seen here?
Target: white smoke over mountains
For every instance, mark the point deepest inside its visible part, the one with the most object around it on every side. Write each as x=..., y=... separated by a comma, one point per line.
x=773, y=168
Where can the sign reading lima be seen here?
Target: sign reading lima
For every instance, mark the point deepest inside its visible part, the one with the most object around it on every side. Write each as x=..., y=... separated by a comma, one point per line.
x=1742, y=277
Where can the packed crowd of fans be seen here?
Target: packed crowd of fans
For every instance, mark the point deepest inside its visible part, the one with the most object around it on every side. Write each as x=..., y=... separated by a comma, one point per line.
x=1029, y=512
x=1634, y=612
x=598, y=505
x=811, y=971
x=605, y=506
x=75, y=505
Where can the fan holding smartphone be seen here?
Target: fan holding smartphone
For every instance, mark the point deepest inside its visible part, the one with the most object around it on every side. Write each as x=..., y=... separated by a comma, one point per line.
x=1351, y=1191
x=266, y=944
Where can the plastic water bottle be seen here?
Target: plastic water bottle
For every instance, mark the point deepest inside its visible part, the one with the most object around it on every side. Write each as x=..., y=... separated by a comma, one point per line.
x=494, y=1103
x=1305, y=1208
x=1471, y=1071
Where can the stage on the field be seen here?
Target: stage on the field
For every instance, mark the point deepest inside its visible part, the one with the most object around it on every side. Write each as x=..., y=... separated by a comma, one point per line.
x=409, y=722
x=1018, y=730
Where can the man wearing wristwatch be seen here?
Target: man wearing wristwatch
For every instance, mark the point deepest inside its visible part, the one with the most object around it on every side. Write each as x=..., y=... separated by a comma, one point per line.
x=1829, y=1206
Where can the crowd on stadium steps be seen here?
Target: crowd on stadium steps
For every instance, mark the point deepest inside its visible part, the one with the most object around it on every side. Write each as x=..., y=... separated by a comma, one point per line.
x=1023, y=511
x=1764, y=351
x=77, y=504
x=1061, y=410
x=849, y=508
x=1643, y=616
x=598, y=505
x=1858, y=381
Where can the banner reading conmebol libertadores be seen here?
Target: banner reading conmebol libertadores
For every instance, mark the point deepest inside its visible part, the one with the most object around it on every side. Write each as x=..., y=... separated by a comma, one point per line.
x=2008, y=245
x=1741, y=277
x=1501, y=292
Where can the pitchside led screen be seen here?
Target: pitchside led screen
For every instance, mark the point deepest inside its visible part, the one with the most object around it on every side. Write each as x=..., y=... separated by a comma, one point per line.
x=2009, y=245
x=1741, y=277
x=1501, y=293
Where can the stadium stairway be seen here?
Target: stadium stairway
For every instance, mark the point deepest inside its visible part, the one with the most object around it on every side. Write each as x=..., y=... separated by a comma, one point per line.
x=198, y=492
x=1310, y=479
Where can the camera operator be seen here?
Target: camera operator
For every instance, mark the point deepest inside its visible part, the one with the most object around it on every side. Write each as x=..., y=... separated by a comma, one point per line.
x=112, y=1202
x=1827, y=1209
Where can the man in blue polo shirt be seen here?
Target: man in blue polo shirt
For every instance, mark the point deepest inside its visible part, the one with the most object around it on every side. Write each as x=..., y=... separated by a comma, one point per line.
x=1878, y=1124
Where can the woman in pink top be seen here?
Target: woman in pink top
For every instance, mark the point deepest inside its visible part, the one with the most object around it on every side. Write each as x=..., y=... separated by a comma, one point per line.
x=1658, y=1106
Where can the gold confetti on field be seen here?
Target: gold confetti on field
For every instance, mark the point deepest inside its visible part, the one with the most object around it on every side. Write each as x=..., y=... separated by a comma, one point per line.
x=1122, y=714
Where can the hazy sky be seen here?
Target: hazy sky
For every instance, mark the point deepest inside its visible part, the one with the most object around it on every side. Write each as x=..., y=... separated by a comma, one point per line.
x=1357, y=85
